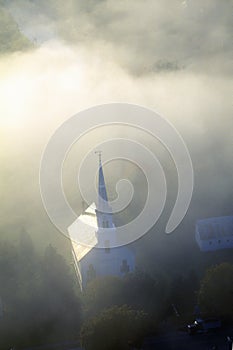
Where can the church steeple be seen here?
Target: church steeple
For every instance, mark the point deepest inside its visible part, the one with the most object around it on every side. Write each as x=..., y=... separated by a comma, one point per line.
x=102, y=192
x=110, y=259
x=104, y=214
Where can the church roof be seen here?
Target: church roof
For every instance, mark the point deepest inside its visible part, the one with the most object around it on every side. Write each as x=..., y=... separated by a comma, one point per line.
x=83, y=232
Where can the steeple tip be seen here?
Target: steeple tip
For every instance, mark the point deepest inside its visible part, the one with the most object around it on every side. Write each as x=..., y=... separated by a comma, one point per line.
x=99, y=154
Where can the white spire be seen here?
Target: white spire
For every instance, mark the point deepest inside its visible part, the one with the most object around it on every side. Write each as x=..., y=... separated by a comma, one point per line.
x=104, y=213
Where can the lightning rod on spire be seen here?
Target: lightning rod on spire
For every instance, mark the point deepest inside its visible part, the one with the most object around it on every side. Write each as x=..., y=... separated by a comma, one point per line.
x=99, y=154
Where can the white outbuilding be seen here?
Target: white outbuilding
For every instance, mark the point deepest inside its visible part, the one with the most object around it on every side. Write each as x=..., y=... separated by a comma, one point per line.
x=214, y=233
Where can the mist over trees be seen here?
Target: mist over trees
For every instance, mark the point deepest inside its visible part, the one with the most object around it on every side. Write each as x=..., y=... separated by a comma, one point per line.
x=11, y=38
x=115, y=328
x=38, y=296
x=216, y=291
x=138, y=290
x=41, y=302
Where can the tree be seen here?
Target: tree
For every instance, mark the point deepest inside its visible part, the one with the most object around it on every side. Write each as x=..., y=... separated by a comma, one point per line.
x=114, y=328
x=216, y=291
x=11, y=39
x=38, y=296
x=143, y=292
x=138, y=290
x=102, y=293
x=183, y=291
x=58, y=310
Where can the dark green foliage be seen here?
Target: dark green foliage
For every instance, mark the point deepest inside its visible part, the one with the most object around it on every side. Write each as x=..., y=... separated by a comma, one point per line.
x=39, y=300
x=138, y=290
x=38, y=296
x=147, y=293
x=102, y=293
x=216, y=291
x=114, y=328
x=183, y=293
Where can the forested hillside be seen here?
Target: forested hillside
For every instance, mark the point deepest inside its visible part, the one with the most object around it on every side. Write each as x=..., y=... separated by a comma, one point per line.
x=11, y=39
x=38, y=296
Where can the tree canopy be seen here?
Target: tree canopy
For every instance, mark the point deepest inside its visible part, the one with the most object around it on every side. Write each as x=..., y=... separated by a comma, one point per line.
x=38, y=296
x=114, y=328
x=216, y=291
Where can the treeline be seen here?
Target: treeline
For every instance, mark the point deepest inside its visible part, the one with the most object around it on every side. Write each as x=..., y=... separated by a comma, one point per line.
x=154, y=295
x=139, y=305
x=41, y=303
x=120, y=312
x=11, y=39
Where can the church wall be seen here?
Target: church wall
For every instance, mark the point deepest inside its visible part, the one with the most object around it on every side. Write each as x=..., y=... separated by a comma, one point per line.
x=115, y=262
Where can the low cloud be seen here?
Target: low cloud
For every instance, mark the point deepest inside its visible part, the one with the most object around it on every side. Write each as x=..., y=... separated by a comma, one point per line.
x=171, y=56
x=143, y=37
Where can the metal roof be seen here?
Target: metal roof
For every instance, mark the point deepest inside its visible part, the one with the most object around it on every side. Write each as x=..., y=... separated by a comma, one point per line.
x=215, y=228
x=83, y=232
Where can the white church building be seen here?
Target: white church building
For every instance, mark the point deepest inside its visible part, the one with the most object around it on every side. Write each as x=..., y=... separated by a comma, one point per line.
x=94, y=241
x=214, y=233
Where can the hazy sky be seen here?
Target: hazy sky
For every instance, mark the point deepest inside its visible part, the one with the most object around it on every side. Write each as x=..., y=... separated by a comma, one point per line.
x=169, y=55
